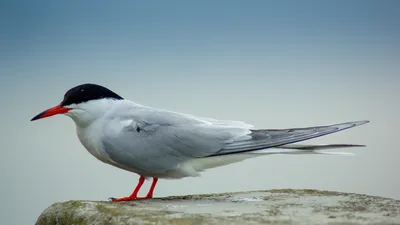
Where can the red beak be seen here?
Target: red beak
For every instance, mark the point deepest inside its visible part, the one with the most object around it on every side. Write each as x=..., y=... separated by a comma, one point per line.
x=58, y=109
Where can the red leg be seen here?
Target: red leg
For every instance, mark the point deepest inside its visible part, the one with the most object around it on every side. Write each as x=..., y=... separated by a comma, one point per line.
x=153, y=185
x=133, y=196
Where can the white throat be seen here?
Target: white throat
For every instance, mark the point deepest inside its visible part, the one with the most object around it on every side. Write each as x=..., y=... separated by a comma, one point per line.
x=83, y=114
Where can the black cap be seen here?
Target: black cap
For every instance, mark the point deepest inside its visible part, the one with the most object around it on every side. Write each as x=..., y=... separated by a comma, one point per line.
x=87, y=92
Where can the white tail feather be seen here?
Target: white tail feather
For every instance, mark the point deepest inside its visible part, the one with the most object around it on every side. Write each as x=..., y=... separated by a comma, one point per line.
x=193, y=167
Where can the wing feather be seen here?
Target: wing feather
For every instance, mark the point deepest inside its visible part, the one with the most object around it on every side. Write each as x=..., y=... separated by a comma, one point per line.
x=157, y=141
x=268, y=138
x=160, y=141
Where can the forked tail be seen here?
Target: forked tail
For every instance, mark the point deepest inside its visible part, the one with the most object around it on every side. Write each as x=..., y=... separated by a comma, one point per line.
x=281, y=141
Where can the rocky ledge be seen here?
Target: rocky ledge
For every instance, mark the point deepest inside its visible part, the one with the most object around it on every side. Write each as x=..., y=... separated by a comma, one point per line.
x=286, y=206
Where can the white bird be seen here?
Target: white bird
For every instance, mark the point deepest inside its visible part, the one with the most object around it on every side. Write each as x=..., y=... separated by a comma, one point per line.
x=158, y=143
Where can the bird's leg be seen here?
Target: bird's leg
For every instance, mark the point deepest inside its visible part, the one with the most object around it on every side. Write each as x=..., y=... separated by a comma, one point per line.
x=150, y=193
x=133, y=196
x=153, y=185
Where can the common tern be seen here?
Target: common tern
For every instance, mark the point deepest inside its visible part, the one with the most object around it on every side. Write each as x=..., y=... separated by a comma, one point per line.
x=157, y=143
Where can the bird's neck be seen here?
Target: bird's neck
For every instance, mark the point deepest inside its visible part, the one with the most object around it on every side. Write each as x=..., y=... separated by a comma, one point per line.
x=92, y=111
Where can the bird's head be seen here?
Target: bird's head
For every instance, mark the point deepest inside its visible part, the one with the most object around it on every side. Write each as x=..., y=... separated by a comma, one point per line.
x=83, y=103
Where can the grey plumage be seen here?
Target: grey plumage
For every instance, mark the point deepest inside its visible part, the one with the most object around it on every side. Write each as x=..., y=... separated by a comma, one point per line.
x=267, y=138
x=155, y=142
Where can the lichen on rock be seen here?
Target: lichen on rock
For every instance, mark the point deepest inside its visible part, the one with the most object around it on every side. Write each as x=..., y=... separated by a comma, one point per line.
x=284, y=206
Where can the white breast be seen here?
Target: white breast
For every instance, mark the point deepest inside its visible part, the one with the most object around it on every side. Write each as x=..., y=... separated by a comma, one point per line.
x=90, y=138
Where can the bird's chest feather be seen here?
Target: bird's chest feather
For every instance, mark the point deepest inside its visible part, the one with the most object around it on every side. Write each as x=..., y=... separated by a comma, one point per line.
x=90, y=138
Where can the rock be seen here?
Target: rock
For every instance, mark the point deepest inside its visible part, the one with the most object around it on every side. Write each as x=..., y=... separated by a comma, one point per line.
x=286, y=206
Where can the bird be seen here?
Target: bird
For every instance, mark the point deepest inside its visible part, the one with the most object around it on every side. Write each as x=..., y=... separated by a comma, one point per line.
x=162, y=144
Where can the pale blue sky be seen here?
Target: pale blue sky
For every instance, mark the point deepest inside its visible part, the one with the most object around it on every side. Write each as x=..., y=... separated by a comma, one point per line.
x=274, y=64
x=133, y=33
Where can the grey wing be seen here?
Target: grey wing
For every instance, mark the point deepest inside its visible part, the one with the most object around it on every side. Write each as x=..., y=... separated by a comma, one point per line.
x=318, y=147
x=158, y=147
x=268, y=138
x=155, y=147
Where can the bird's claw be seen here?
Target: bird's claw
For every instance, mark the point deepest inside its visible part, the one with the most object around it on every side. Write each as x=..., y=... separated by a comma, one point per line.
x=112, y=199
x=124, y=199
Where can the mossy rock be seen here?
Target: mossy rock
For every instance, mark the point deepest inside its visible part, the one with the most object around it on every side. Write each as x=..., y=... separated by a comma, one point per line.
x=284, y=206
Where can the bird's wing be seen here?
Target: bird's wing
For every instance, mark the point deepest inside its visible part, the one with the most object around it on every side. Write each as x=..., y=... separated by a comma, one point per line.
x=225, y=123
x=268, y=138
x=318, y=147
x=158, y=141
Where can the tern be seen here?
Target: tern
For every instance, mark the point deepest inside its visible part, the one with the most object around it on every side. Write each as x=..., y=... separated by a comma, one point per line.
x=158, y=143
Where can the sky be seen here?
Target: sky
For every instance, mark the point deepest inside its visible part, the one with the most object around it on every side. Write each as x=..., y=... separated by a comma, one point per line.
x=274, y=64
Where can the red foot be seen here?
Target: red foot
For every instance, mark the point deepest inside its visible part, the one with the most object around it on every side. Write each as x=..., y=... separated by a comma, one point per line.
x=124, y=199
x=133, y=196
x=141, y=198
